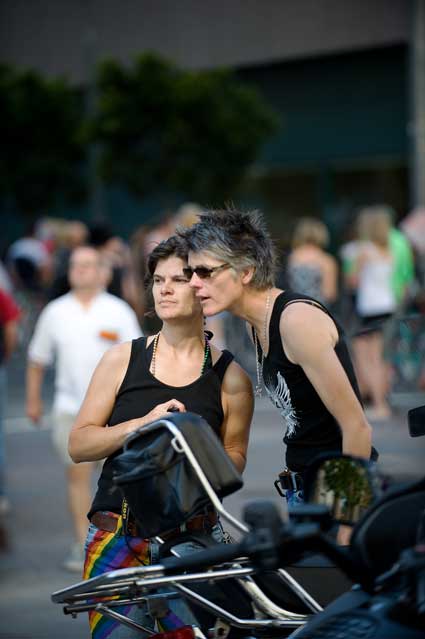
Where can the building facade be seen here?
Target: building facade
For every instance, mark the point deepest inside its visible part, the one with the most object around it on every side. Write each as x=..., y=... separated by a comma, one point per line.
x=337, y=71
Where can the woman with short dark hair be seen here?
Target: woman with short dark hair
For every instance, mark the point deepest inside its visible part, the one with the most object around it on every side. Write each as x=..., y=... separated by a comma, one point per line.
x=136, y=383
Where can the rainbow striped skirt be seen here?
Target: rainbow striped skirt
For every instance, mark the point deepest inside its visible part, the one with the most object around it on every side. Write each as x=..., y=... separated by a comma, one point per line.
x=107, y=551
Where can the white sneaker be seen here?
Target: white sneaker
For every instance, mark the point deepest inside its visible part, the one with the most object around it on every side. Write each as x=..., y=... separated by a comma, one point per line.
x=75, y=560
x=4, y=505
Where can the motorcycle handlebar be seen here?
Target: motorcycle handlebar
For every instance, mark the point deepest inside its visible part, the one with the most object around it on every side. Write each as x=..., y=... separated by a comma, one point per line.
x=203, y=558
x=267, y=551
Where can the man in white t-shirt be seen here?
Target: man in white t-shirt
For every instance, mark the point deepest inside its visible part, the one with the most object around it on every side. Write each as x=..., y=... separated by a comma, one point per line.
x=74, y=331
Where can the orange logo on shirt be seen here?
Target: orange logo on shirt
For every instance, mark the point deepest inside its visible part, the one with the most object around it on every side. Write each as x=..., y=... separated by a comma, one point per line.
x=111, y=336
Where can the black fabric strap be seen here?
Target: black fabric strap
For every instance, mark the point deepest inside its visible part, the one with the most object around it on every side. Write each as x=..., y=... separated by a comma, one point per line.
x=220, y=367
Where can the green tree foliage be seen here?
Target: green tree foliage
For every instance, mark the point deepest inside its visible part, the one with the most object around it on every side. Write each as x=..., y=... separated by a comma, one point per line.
x=163, y=128
x=41, y=151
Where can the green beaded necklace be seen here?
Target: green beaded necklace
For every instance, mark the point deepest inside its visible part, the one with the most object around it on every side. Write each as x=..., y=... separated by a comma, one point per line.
x=207, y=350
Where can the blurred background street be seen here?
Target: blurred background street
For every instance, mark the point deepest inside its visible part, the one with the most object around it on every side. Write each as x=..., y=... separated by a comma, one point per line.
x=121, y=121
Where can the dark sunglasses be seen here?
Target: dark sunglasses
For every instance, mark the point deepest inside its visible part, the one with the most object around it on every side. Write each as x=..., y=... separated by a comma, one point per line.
x=203, y=272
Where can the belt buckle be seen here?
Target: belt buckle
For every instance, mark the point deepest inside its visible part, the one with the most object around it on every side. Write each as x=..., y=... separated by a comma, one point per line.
x=287, y=480
x=210, y=519
x=129, y=527
x=172, y=532
x=207, y=524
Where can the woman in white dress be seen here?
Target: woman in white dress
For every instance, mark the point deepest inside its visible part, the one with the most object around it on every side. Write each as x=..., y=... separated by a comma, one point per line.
x=375, y=302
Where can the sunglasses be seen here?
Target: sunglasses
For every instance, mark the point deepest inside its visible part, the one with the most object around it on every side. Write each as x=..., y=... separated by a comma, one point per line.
x=203, y=272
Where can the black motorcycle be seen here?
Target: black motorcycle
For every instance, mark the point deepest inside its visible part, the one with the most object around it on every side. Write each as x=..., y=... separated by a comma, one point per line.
x=244, y=589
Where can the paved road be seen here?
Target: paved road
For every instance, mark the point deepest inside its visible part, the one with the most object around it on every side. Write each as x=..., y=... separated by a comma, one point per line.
x=38, y=529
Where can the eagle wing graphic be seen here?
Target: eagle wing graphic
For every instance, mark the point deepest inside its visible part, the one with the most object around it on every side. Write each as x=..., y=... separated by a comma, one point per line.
x=281, y=398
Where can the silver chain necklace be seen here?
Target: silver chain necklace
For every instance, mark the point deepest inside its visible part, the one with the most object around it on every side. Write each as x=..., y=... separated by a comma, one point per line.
x=260, y=362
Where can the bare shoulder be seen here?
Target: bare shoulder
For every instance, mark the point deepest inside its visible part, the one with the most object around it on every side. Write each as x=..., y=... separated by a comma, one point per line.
x=111, y=370
x=301, y=320
x=299, y=311
x=236, y=379
x=118, y=355
x=330, y=261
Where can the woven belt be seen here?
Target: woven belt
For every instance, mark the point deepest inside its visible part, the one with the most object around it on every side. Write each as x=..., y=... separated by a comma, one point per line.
x=199, y=523
x=105, y=521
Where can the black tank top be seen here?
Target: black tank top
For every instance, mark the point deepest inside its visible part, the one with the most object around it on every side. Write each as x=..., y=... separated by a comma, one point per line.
x=310, y=427
x=140, y=392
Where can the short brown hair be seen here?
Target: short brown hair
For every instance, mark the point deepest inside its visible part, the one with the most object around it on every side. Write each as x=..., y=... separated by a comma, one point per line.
x=173, y=246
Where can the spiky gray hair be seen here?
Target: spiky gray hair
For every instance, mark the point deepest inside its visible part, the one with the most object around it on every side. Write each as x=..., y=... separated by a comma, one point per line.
x=239, y=238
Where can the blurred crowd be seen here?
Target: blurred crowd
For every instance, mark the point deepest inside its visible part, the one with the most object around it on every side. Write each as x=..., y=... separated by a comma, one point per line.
x=373, y=283
x=34, y=268
x=378, y=272
x=375, y=286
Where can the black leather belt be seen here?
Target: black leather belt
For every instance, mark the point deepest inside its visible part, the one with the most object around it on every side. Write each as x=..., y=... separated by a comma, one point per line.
x=199, y=523
x=202, y=523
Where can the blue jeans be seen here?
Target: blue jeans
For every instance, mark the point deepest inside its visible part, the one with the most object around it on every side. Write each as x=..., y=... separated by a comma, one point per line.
x=294, y=497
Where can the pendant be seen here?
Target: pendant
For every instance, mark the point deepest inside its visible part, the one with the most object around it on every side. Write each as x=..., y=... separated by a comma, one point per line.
x=258, y=391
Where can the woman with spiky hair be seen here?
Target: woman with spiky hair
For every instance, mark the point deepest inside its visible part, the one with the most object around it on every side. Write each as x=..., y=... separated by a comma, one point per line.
x=302, y=357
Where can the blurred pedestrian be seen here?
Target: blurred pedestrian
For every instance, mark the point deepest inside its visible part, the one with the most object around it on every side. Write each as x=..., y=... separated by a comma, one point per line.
x=143, y=240
x=413, y=226
x=75, y=330
x=113, y=250
x=74, y=234
x=311, y=269
x=376, y=301
x=160, y=231
x=9, y=316
x=187, y=214
x=5, y=281
x=404, y=263
x=348, y=254
x=29, y=262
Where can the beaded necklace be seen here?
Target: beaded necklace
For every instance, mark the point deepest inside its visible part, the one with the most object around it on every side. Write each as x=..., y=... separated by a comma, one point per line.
x=260, y=362
x=207, y=350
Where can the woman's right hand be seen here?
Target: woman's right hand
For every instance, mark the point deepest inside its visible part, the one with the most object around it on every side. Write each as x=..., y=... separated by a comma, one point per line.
x=161, y=410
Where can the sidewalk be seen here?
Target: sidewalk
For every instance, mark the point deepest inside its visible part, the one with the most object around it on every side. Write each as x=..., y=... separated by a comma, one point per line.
x=38, y=535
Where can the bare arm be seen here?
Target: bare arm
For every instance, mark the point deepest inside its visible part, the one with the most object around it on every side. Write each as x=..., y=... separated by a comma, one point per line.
x=309, y=337
x=10, y=336
x=330, y=279
x=34, y=382
x=238, y=405
x=358, y=264
x=89, y=440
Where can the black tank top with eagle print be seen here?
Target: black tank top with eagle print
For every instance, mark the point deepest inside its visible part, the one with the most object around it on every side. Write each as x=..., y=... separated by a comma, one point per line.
x=310, y=427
